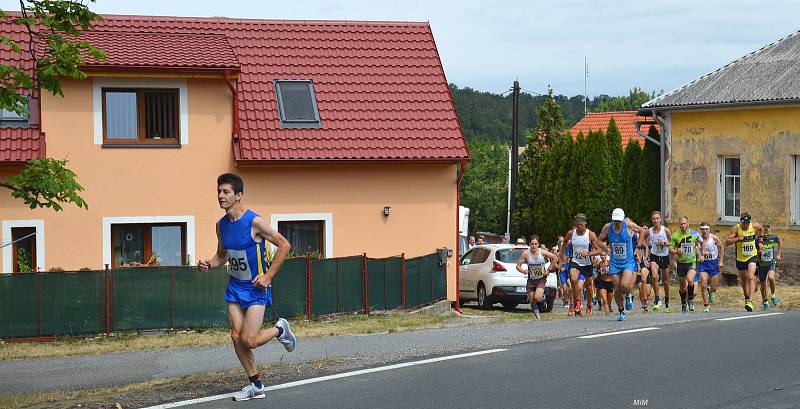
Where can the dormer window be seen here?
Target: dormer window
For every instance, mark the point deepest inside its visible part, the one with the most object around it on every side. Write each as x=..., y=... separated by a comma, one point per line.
x=297, y=104
x=11, y=119
x=140, y=116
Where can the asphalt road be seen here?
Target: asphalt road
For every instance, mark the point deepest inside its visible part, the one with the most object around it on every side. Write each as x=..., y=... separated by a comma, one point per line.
x=746, y=363
x=81, y=372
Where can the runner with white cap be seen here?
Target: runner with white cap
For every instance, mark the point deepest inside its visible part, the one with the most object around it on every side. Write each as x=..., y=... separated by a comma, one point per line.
x=619, y=234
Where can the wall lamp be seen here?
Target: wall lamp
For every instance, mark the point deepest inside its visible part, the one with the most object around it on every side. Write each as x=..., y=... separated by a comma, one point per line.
x=387, y=211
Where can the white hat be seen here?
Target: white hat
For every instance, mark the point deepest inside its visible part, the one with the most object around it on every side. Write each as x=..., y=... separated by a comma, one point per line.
x=618, y=215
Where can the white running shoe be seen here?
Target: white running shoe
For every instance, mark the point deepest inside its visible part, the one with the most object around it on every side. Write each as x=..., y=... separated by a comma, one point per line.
x=250, y=392
x=287, y=338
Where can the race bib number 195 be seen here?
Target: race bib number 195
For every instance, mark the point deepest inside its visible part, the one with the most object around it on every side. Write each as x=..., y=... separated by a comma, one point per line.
x=238, y=266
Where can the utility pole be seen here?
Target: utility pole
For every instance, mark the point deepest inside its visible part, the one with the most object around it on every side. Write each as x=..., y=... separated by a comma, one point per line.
x=514, y=157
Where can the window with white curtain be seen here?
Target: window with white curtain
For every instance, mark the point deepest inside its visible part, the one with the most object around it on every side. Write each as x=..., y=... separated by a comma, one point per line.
x=148, y=116
x=730, y=188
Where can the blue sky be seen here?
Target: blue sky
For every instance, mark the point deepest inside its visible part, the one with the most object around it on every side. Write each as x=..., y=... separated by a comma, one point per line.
x=487, y=44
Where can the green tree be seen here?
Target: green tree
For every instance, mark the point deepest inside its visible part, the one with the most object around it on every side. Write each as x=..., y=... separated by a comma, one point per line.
x=633, y=101
x=615, y=154
x=630, y=170
x=650, y=175
x=550, y=122
x=54, y=26
x=484, y=189
x=529, y=192
x=600, y=200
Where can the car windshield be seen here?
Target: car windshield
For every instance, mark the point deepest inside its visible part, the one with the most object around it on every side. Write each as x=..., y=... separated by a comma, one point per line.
x=509, y=255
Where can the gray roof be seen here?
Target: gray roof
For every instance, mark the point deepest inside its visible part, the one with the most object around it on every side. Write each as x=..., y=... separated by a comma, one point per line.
x=768, y=75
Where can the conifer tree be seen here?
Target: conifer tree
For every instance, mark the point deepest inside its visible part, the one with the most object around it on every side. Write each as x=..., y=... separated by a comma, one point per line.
x=630, y=192
x=600, y=200
x=615, y=154
x=650, y=175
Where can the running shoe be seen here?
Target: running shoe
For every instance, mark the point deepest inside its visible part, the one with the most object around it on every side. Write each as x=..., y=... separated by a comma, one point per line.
x=621, y=316
x=683, y=309
x=657, y=306
x=645, y=306
x=250, y=392
x=707, y=309
x=588, y=310
x=578, y=307
x=691, y=306
x=765, y=306
x=629, y=302
x=748, y=305
x=775, y=301
x=287, y=338
x=571, y=311
x=668, y=309
x=712, y=297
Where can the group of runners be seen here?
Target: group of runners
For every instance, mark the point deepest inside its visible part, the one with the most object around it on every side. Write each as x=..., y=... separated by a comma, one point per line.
x=605, y=268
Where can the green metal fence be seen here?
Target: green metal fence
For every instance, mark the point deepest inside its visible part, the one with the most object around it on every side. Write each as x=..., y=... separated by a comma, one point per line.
x=125, y=299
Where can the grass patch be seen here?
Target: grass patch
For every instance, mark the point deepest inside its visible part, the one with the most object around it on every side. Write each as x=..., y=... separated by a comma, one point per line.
x=351, y=325
x=154, y=392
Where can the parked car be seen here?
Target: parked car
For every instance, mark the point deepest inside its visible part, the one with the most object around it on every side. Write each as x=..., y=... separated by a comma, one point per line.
x=489, y=275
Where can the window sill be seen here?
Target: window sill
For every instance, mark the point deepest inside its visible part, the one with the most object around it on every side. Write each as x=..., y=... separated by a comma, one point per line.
x=140, y=145
x=794, y=227
x=727, y=222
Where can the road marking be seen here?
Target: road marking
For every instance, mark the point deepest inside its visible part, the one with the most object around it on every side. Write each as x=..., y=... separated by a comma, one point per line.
x=749, y=316
x=329, y=377
x=627, y=331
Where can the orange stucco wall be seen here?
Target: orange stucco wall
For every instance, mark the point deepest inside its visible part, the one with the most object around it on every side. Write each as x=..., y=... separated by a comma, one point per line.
x=130, y=182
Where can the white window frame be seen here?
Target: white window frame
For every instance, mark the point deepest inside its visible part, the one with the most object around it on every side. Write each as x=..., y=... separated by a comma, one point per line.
x=108, y=221
x=794, y=181
x=327, y=219
x=721, y=189
x=97, y=101
x=8, y=257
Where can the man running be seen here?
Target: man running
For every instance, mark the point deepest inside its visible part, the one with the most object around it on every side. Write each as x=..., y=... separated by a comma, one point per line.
x=713, y=256
x=581, y=240
x=604, y=284
x=534, y=257
x=743, y=235
x=619, y=234
x=769, y=254
x=242, y=237
x=563, y=276
x=657, y=239
x=686, y=247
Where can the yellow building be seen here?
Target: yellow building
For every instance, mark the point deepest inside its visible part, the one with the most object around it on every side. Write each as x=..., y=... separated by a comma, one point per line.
x=344, y=132
x=732, y=144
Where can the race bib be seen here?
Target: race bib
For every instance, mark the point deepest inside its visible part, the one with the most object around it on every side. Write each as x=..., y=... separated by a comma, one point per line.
x=619, y=251
x=707, y=256
x=238, y=266
x=768, y=254
x=535, y=272
x=749, y=249
x=687, y=249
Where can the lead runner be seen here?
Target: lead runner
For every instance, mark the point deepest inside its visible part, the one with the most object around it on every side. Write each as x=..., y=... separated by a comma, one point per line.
x=242, y=237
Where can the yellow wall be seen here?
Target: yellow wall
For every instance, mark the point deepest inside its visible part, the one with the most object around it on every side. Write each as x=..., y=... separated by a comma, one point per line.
x=123, y=182
x=765, y=139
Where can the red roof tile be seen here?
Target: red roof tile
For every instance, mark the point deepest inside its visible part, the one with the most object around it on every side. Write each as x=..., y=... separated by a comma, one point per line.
x=380, y=87
x=20, y=144
x=160, y=50
x=381, y=90
x=626, y=123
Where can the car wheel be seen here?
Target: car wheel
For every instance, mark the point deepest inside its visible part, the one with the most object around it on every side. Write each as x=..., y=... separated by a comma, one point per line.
x=509, y=305
x=483, y=299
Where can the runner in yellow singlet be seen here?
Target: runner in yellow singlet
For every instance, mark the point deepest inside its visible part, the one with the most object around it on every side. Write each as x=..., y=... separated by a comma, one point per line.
x=744, y=235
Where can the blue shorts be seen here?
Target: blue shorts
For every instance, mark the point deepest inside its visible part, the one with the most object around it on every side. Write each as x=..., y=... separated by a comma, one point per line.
x=709, y=266
x=615, y=268
x=563, y=277
x=246, y=295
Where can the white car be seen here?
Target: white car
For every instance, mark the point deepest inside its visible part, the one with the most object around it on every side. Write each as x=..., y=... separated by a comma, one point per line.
x=488, y=275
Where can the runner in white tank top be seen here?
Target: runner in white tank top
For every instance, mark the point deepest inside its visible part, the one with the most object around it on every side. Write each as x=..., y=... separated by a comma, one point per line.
x=583, y=241
x=657, y=238
x=534, y=258
x=713, y=253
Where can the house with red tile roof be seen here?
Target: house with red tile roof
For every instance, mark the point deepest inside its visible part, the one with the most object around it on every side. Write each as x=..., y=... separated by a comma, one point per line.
x=328, y=122
x=626, y=123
